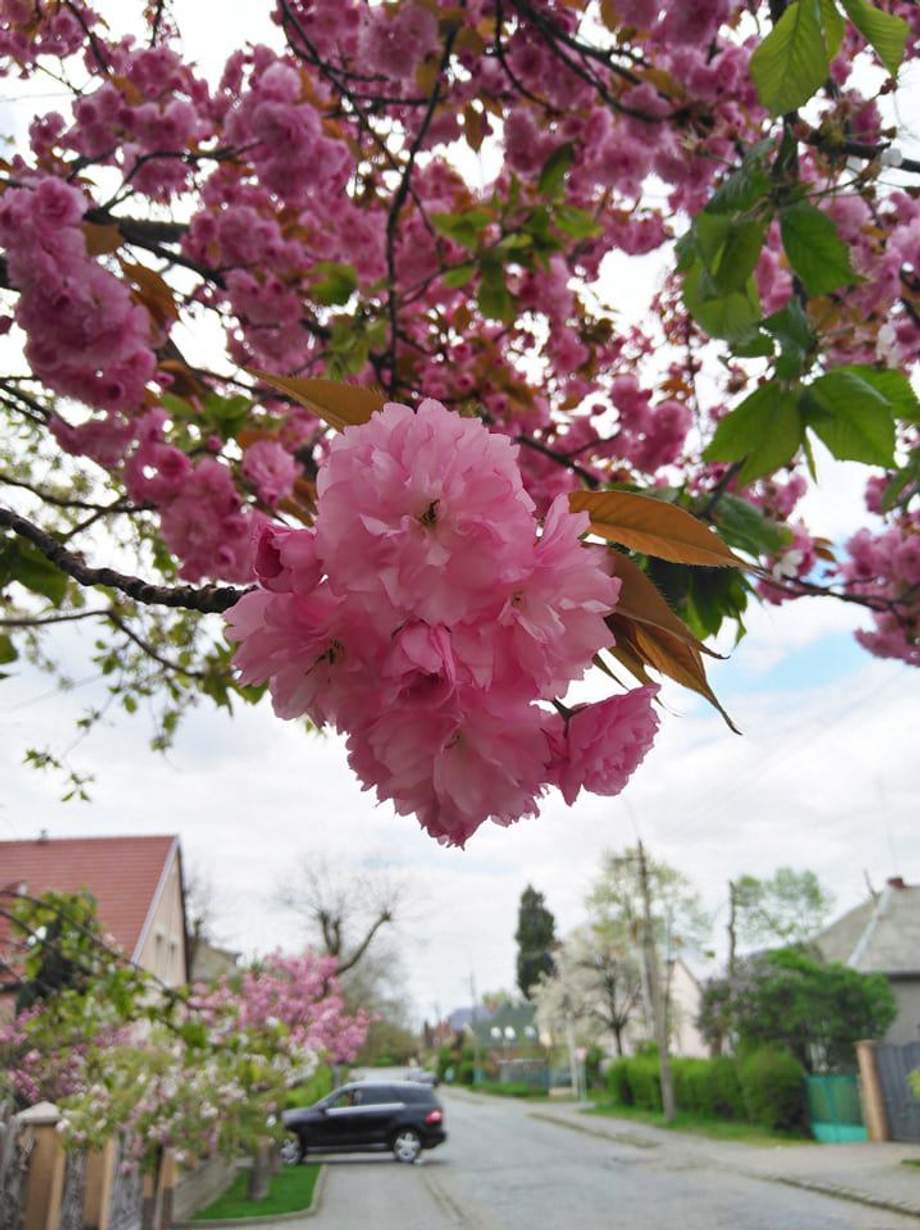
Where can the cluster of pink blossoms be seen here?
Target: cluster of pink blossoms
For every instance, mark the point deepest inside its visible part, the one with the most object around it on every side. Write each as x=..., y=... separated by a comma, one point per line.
x=203, y=518
x=426, y=618
x=886, y=566
x=87, y=338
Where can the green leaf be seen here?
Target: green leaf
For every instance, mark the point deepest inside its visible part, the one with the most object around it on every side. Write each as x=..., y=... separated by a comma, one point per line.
x=886, y=33
x=555, y=169
x=792, y=330
x=743, y=188
x=20, y=561
x=753, y=346
x=834, y=27
x=7, y=651
x=728, y=316
x=739, y=256
x=893, y=385
x=337, y=282
x=791, y=63
x=815, y=250
x=764, y=432
x=459, y=275
x=578, y=223
x=852, y=418
x=493, y=297
x=464, y=228
x=744, y=526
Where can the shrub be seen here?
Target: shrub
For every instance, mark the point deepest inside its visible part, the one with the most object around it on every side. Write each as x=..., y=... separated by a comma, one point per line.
x=511, y=1089
x=618, y=1086
x=319, y=1084
x=593, y=1061
x=773, y=1085
x=727, y=1098
x=644, y=1081
x=466, y=1072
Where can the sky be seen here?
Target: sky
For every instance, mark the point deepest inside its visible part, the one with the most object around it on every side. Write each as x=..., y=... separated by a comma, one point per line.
x=826, y=774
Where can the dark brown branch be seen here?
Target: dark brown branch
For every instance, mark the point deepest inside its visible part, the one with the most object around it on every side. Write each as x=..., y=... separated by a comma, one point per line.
x=399, y=199
x=148, y=649
x=209, y=599
x=58, y=501
x=860, y=149
x=538, y=446
x=40, y=621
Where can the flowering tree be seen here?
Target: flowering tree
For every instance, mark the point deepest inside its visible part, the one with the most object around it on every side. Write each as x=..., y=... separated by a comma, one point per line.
x=420, y=581
x=200, y=1070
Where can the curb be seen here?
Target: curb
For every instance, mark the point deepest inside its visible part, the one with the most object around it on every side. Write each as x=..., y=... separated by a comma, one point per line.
x=271, y=1220
x=620, y=1138
x=852, y=1194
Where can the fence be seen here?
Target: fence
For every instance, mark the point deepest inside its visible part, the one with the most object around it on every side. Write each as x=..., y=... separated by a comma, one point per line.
x=44, y=1186
x=834, y=1109
x=902, y=1107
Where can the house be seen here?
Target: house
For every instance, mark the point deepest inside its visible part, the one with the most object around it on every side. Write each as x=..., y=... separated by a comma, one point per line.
x=210, y=961
x=506, y=1029
x=136, y=881
x=882, y=936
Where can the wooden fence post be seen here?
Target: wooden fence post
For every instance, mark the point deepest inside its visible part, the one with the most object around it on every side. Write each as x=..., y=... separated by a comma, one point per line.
x=100, y=1177
x=167, y=1186
x=873, y=1099
x=45, y=1181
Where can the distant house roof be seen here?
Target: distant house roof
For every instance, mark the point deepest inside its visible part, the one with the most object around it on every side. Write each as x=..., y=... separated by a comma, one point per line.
x=124, y=874
x=881, y=936
x=460, y=1018
x=516, y=1017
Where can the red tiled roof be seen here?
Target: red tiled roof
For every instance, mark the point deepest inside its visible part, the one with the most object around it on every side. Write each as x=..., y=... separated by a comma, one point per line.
x=122, y=873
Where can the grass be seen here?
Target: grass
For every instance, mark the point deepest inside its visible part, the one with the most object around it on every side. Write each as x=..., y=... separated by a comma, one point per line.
x=910, y=1161
x=714, y=1129
x=290, y=1191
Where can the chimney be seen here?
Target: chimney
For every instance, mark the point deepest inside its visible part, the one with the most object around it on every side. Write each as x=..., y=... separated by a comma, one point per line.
x=896, y=882
x=42, y=836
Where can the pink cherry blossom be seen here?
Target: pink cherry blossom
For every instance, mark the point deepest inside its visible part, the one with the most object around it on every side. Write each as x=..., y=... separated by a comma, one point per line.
x=601, y=745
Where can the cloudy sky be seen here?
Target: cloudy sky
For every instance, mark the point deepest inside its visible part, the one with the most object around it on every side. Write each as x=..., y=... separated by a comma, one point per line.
x=825, y=775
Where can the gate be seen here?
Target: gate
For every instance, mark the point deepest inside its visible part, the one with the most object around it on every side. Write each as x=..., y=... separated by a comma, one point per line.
x=834, y=1109
x=895, y=1064
x=15, y=1150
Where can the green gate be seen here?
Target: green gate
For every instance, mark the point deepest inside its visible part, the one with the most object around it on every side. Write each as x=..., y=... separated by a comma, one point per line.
x=834, y=1108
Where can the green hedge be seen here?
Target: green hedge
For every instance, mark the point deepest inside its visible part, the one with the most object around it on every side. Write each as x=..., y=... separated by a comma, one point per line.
x=766, y=1087
x=773, y=1084
x=319, y=1084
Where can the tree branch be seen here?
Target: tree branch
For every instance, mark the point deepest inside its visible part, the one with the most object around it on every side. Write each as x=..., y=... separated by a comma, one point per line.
x=208, y=599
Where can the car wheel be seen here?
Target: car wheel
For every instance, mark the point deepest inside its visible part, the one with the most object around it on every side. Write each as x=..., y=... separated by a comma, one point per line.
x=407, y=1145
x=292, y=1151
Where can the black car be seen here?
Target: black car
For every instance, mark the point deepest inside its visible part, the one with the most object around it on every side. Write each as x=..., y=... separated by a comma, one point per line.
x=403, y=1116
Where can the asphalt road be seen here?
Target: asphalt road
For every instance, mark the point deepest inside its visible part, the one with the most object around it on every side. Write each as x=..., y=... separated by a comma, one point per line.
x=502, y=1169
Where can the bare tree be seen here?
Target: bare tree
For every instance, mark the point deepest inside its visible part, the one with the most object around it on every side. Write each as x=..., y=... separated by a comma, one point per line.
x=200, y=910
x=342, y=912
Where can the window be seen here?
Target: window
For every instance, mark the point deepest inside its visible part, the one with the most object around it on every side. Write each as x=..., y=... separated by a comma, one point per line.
x=377, y=1095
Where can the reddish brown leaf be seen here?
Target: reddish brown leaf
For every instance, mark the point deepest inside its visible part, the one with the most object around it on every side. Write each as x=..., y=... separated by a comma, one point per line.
x=640, y=600
x=653, y=527
x=101, y=240
x=341, y=405
x=153, y=292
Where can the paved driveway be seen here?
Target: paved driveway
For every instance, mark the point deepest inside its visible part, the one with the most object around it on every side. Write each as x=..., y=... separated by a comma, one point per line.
x=502, y=1169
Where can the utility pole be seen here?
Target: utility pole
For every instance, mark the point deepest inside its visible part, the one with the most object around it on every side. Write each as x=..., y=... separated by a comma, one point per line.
x=653, y=991
x=732, y=927
x=473, y=996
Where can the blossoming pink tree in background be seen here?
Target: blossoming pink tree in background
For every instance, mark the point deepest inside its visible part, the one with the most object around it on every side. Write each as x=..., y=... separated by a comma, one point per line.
x=423, y=410
x=200, y=1070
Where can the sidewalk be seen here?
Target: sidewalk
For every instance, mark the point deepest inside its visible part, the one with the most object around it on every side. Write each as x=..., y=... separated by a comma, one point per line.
x=870, y=1174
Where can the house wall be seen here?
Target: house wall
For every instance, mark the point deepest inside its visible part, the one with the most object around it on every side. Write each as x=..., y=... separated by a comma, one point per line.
x=162, y=950
x=906, y=1027
x=686, y=997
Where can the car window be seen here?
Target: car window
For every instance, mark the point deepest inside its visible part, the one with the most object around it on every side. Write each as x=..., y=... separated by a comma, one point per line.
x=416, y=1093
x=345, y=1097
x=378, y=1095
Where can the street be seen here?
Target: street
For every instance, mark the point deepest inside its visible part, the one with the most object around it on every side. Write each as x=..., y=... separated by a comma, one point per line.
x=504, y=1169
